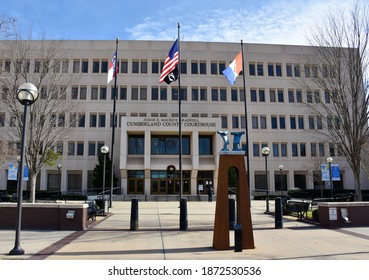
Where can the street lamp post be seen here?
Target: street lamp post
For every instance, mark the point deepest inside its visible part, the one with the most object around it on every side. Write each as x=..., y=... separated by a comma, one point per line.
x=59, y=166
x=27, y=94
x=280, y=177
x=329, y=160
x=104, y=150
x=265, y=152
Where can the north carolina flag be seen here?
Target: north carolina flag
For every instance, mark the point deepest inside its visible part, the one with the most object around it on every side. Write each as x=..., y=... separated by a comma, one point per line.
x=234, y=69
x=112, y=68
x=169, y=73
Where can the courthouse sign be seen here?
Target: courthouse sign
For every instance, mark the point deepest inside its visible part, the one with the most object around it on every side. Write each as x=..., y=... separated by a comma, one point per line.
x=171, y=123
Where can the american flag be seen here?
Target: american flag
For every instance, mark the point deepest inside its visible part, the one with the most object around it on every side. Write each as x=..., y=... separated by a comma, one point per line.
x=170, y=63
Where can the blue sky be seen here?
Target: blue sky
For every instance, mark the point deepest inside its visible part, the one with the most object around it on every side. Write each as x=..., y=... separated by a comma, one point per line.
x=253, y=21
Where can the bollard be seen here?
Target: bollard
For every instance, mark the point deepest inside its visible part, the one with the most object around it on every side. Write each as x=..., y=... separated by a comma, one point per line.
x=278, y=213
x=237, y=238
x=183, y=223
x=232, y=212
x=134, y=214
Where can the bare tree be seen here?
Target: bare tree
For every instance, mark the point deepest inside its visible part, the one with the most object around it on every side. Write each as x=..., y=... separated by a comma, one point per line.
x=339, y=67
x=6, y=22
x=43, y=63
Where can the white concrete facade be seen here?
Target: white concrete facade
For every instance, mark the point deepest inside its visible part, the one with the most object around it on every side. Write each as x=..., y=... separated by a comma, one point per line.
x=209, y=99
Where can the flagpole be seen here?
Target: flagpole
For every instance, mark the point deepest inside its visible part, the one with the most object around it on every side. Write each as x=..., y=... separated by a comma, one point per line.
x=113, y=126
x=179, y=115
x=247, y=153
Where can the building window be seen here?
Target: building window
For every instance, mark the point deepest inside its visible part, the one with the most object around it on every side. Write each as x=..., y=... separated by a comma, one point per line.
x=92, y=148
x=123, y=66
x=76, y=66
x=155, y=67
x=214, y=94
x=278, y=70
x=205, y=145
x=134, y=93
x=104, y=66
x=84, y=66
x=194, y=67
x=298, y=96
x=255, y=122
x=283, y=149
x=163, y=93
x=80, y=148
x=313, y=149
x=270, y=70
x=224, y=121
x=280, y=96
x=102, y=93
x=203, y=94
x=169, y=145
x=327, y=97
x=291, y=96
x=235, y=123
x=296, y=69
x=275, y=149
x=272, y=95
x=263, y=122
x=260, y=69
x=252, y=71
x=261, y=95
x=94, y=93
x=93, y=120
x=223, y=94
x=195, y=94
x=274, y=122
x=234, y=94
x=214, y=68
x=321, y=149
x=123, y=93
x=282, y=122
x=102, y=120
x=289, y=70
x=256, y=149
x=154, y=93
x=71, y=148
x=301, y=122
x=96, y=66
x=294, y=149
x=202, y=67
x=136, y=144
x=302, y=149
x=253, y=95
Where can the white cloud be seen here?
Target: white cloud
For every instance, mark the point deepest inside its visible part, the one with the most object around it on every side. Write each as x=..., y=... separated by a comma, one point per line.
x=274, y=22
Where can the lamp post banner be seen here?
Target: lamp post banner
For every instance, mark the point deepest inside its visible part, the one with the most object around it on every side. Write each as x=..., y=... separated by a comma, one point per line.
x=13, y=172
x=335, y=172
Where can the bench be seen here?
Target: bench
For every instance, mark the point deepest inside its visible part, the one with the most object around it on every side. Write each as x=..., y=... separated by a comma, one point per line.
x=93, y=210
x=298, y=207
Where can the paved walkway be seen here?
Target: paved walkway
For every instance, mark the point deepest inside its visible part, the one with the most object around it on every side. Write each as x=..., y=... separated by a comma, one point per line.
x=159, y=238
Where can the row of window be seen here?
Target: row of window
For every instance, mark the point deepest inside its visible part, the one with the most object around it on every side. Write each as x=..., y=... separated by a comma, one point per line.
x=296, y=122
x=98, y=120
x=141, y=66
x=297, y=149
x=198, y=93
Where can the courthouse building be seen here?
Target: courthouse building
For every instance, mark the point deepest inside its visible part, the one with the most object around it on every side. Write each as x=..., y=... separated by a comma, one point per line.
x=147, y=140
